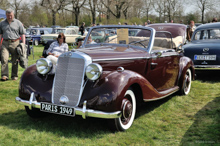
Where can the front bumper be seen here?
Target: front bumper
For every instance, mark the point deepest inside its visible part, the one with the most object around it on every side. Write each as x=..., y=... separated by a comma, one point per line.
x=78, y=111
x=207, y=66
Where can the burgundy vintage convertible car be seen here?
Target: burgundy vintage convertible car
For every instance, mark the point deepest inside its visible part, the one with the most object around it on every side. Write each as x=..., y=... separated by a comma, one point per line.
x=107, y=79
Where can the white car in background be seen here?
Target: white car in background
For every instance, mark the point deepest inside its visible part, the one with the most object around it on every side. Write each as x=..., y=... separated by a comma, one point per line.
x=70, y=33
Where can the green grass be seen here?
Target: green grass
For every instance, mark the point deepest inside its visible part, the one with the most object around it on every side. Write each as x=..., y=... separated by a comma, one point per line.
x=176, y=120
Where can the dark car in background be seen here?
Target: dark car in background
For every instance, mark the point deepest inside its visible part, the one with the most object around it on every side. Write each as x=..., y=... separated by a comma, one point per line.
x=204, y=48
x=33, y=35
x=107, y=79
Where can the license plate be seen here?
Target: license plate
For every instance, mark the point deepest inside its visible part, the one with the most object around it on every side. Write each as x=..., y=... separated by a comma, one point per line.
x=56, y=109
x=205, y=57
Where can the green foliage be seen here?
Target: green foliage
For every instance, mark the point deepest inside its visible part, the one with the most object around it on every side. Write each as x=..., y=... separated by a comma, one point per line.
x=176, y=120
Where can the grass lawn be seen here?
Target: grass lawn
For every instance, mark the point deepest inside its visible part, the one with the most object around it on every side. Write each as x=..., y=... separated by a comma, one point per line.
x=176, y=120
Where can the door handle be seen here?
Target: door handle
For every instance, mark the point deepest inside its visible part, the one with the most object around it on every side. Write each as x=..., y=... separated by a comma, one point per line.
x=152, y=63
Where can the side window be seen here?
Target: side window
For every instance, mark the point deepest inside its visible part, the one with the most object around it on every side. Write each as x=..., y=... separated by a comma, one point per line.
x=197, y=35
x=46, y=32
x=205, y=35
x=42, y=32
x=73, y=32
x=162, y=41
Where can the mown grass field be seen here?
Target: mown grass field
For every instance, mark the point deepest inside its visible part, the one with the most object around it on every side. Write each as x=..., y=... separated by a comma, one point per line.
x=177, y=120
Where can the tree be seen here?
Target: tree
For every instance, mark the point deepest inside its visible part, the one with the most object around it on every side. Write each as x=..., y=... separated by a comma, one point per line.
x=160, y=8
x=205, y=5
x=93, y=7
x=118, y=6
x=16, y=5
x=148, y=7
x=54, y=6
x=74, y=7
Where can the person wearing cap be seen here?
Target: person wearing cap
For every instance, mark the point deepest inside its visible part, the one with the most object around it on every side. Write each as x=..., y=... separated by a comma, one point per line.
x=11, y=30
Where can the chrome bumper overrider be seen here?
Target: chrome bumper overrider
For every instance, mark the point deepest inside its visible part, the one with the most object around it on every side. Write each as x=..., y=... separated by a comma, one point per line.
x=78, y=111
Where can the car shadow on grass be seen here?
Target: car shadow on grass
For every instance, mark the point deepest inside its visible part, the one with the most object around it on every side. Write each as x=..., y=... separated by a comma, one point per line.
x=206, y=127
x=212, y=76
x=69, y=126
x=57, y=124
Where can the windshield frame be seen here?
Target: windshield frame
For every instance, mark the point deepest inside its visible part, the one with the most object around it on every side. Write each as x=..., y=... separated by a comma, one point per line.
x=148, y=49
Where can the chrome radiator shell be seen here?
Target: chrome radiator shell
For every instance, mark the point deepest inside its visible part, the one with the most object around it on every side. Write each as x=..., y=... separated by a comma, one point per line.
x=69, y=77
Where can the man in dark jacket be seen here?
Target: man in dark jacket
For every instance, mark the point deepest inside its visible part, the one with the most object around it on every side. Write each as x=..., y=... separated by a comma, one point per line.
x=82, y=28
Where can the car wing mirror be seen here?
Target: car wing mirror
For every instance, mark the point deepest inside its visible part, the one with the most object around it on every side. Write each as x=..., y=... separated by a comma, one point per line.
x=156, y=54
x=179, y=48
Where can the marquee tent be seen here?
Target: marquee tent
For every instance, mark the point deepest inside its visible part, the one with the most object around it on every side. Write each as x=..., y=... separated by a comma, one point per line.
x=2, y=13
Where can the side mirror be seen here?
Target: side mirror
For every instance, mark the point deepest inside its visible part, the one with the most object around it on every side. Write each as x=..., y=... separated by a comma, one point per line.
x=179, y=48
x=156, y=55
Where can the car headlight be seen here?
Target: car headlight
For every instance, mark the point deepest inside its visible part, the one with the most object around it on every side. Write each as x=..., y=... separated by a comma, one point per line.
x=93, y=71
x=44, y=66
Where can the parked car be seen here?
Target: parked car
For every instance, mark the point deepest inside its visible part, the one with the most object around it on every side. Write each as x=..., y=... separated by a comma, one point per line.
x=97, y=36
x=70, y=33
x=178, y=32
x=204, y=46
x=107, y=79
x=33, y=35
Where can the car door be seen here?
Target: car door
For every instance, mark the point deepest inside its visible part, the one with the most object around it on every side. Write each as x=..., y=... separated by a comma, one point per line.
x=163, y=65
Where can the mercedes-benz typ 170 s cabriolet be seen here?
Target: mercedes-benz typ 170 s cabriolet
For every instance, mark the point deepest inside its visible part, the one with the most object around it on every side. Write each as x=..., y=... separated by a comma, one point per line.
x=109, y=78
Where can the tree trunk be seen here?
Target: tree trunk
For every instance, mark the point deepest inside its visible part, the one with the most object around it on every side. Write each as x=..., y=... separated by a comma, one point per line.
x=77, y=16
x=54, y=17
x=94, y=17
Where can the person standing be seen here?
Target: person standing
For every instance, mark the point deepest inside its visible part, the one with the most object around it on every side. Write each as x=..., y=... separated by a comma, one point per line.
x=82, y=28
x=190, y=30
x=11, y=30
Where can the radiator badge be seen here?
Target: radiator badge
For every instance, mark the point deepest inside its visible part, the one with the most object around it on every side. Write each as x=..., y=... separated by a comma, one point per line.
x=64, y=99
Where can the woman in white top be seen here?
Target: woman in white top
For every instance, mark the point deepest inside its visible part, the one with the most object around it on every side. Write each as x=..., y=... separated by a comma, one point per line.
x=57, y=48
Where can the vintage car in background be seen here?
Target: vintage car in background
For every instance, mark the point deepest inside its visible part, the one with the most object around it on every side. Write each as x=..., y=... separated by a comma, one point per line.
x=33, y=35
x=178, y=32
x=70, y=33
x=204, y=46
x=107, y=79
x=97, y=36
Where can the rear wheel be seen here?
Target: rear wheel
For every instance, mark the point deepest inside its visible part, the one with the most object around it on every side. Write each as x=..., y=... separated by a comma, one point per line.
x=186, y=83
x=128, y=112
x=34, y=112
x=36, y=42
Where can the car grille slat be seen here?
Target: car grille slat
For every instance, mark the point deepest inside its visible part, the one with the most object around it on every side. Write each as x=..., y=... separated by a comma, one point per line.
x=68, y=79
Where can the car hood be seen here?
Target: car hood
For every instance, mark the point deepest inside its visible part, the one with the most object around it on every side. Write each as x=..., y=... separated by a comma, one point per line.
x=113, y=53
x=202, y=44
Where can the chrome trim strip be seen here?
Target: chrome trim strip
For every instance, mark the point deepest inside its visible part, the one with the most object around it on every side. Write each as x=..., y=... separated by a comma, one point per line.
x=207, y=66
x=161, y=97
x=78, y=111
x=112, y=59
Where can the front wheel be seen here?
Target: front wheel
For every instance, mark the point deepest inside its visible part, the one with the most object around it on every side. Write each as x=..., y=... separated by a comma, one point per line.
x=128, y=112
x=186, y=83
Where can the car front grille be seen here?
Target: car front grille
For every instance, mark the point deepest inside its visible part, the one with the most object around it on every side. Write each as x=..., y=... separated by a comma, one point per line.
x=69, y=79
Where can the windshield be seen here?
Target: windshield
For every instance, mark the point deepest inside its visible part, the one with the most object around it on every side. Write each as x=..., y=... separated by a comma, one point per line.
x=57, y=31
x=207, y=34
x=31, y=31
x=99, y=36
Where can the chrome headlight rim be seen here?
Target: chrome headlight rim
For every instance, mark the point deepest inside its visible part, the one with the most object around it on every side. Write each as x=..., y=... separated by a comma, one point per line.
x=44, y=66
x=93, y=71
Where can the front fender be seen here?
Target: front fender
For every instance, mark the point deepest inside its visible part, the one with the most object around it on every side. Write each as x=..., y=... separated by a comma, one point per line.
x=107, y=93
x=32, y=81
